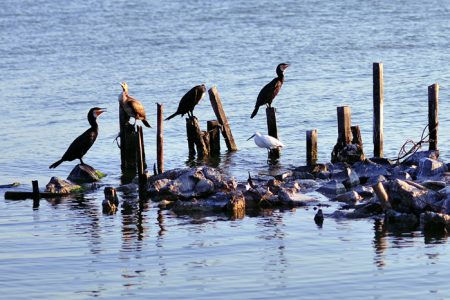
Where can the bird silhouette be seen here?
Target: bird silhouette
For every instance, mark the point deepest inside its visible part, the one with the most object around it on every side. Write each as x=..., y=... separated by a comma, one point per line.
x=266, y=141
x=83, y=143
x=270, y=90
x=132, y=106
x=189, y=101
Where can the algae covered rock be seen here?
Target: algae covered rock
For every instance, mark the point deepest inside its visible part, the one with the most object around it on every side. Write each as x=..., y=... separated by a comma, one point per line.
x=83, y=173
x=61, y=186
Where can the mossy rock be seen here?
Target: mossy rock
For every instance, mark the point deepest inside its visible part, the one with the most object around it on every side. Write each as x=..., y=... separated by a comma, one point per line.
x=85, y=174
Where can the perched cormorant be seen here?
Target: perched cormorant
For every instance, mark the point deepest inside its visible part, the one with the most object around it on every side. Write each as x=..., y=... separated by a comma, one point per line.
x=83, y=143
x=269, y=92
x=132, y=106
x=189, y=101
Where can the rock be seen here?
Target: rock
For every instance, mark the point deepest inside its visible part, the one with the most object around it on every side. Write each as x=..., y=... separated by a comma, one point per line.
x=351, y=197
x=236, y=203
x=429, y=167
x=61, y=186
x=434, y=184
x=404, y=219
x=352, y=178
x=83, y=173
x=432, y=221
x=292, y=198
x=303, y=175
x=306, y=184
x=283, y=176
x=204, y=187
x=445, y=206
x=368, y=169
x=375, y=179
x=349, y=153
x=367, y=210
x=445, y=192
x=214, y=203
x=274, y=185
x=323, y=175
x=332, y=187
x=416, y=157
x=364, y=191
x=410, y=197
x=318, y=218
x=130, y=188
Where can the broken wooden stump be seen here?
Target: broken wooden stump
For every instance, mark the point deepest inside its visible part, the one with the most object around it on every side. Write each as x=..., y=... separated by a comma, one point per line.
x=216, y=104
x=349, y=143
x=272, y=130
x=213, y=128
x=128, y=137
x=311, y=147
x=196, y=137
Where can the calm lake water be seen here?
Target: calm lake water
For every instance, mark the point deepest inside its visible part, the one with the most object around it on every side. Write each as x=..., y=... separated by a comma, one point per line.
x=60, y=59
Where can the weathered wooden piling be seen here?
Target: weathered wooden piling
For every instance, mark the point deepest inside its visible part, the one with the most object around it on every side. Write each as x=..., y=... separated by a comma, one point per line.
x=128, y=143
x=344, y=124
x=272, y=130
x=140, y=155
x=196, y=137
x=378, y=114
x=214, y=137
x=311, y=147
x=216, y=104
x=356, y=136
x=433, y=118
x=160, y=140
x=36, y=195
x=141, y=165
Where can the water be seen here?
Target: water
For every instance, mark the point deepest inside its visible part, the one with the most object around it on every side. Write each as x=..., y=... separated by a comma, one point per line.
x=58, y=60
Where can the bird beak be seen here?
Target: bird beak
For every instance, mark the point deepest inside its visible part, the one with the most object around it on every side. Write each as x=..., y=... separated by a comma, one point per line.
x=100, y=111
x=251, y=137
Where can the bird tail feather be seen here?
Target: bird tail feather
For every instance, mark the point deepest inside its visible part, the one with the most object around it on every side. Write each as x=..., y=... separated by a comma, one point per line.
x=55, y=164
x=171, y=116
x=255, y=111
x=146, y=123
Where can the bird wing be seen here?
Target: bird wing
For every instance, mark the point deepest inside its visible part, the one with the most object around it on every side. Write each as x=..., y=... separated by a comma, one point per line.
x=272, y=142
x=268, y=92
x=80, y=145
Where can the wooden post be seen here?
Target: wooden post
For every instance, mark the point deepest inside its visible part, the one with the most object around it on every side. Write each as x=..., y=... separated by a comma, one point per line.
x=127, y=143
x=191, y=132
x=378, y=102
x=272, y=130
x=311, y=147
x=214, y=137
x=216, y=104
x=195, y=136
x=111, y=195
x=142, y=179
x=344, y=122
x=36, y=195
x=433, y=118
x=142, y=145
x=356, y=136
x=160, y=140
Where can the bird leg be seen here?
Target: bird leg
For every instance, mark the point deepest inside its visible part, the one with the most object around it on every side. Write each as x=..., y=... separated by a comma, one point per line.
x=81, y=161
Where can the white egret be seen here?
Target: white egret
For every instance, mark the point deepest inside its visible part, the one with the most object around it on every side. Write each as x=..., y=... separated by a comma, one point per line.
x=266, y=141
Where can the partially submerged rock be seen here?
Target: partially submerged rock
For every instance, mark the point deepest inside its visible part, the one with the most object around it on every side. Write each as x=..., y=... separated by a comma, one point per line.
x=61, y=186
x=83, y=173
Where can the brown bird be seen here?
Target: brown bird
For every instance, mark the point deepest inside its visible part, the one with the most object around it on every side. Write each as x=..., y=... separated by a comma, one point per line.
x=132, y=106
x=189, y=101
x=270, y=90
x=83, y=143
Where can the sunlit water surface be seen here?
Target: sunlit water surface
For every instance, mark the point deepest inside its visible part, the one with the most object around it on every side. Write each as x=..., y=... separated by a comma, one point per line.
x=60, y=59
